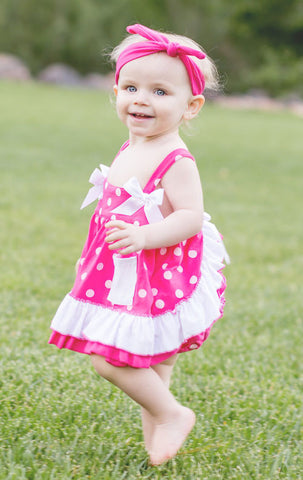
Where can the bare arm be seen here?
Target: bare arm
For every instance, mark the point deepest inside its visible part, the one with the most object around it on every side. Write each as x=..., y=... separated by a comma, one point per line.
x=183, y=190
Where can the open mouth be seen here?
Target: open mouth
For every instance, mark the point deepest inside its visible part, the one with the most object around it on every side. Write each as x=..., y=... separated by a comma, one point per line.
x=140, y=115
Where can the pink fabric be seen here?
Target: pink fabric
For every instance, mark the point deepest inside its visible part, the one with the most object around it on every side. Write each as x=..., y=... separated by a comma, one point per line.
x=163, y=274
x=119, y=357
x=122, y=358
x=166, y=278
x=157, y=42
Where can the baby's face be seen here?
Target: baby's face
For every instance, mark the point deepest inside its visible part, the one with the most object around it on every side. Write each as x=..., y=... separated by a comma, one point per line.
x=153, y=95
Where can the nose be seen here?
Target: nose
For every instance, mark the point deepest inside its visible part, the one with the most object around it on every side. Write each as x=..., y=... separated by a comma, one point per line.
x=141, y=98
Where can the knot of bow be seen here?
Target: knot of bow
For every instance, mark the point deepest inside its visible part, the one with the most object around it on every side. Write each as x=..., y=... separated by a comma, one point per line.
x=172, y=48
x=139, y=199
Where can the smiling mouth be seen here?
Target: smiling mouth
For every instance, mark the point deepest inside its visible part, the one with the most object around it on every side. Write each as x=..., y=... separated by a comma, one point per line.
x=140, y=115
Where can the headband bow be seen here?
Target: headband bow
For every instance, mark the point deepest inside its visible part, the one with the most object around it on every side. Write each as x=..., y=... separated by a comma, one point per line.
x=157, y=42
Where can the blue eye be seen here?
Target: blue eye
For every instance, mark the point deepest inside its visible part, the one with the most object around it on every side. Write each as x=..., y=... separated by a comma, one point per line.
x=160, y=92
x=131, y=89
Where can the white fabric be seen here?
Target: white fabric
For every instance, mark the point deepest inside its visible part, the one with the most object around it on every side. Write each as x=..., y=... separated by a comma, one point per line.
x=124, y=281
x=97, y=178
x=145, y=335
x=210, y=230
x=138, y=199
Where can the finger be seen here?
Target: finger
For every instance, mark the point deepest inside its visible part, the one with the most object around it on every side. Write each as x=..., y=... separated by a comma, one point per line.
x=115, y=235
x=116, y=224
x=111, y=230
x=124, y=243
x=127, y=250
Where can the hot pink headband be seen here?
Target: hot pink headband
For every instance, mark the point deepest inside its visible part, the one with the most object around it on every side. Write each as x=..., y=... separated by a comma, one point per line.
x=160, y=43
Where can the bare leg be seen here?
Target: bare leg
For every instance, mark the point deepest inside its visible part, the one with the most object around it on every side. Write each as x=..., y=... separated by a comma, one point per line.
x=164, y=370
x=172, y=422
x=142, y=385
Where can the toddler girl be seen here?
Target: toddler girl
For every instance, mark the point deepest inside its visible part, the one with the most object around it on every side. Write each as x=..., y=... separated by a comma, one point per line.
x=149, y=284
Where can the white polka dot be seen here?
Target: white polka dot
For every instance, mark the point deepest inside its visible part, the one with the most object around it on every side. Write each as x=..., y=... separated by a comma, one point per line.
x=156, y=182
x=178, y=251
x=113, y=217
x=180, y=269
x=96, y=219
x=168, y=275
x=163, y=251
x=193, y=279
x=184, y=243
x=118, y=192
x=90, y=293
x=160, y=304
x=98, y=250
x=179, y=293
x=136, y=223
x=109, y=202
x=164, y=266
x=82, y=261
x=178, y=157
x=193, y=346
x=100, y=266
x=154, y=291
x=192, y=253
x=142, y=293
x=108, y=283
x=83, y=276
x=129, y=307
x=106, y=183
x=100, y=211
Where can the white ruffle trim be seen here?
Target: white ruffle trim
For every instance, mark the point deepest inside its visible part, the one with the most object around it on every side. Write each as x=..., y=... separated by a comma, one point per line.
x=146, y=335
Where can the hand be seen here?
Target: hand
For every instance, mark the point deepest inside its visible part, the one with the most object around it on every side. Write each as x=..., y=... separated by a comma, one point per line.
x=124, y=237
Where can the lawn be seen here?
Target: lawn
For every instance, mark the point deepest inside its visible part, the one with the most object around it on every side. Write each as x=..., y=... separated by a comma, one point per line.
x=58, y=419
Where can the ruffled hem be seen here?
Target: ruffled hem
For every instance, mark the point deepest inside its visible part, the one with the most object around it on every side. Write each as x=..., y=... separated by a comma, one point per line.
x=141, y=341
x=119, y=357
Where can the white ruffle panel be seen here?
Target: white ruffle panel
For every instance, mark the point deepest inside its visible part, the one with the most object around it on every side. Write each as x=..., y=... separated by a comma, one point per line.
x=145, y=335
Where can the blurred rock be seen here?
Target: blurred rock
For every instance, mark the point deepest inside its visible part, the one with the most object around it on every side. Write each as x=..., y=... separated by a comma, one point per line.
x=296, y=107
x=60, y=74
x=260, y=102
x=254, y=101
x=257, y=93
x=98, y=81
x=12, y=68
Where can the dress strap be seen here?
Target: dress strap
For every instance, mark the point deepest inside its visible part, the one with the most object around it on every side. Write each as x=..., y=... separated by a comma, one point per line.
x=164, y=166
x=124, y=146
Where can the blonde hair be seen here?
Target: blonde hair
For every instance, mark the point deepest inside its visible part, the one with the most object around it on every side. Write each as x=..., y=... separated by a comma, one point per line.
x=206, y=65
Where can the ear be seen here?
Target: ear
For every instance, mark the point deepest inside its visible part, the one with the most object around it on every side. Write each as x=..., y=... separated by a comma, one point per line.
x=194, y=106
x=115, y=88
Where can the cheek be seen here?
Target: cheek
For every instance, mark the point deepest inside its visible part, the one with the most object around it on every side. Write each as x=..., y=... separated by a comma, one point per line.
x=120, y=105
x=167, y=108
x=174, y=111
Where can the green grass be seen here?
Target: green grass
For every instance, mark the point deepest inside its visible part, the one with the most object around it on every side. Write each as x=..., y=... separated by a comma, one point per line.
x=58, y=420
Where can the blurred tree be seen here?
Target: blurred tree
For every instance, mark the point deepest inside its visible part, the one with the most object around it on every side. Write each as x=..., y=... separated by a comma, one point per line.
x=256, y=43
x=268, y=38
x=73, y=32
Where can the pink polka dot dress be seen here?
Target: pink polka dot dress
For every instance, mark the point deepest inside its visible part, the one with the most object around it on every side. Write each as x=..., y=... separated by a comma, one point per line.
x=139, y=310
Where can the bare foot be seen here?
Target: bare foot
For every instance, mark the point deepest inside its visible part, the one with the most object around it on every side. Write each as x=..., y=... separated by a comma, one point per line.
x=169, y=437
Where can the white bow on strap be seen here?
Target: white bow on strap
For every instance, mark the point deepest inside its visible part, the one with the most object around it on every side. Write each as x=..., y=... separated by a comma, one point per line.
x=138, y=199
x=97, y=178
